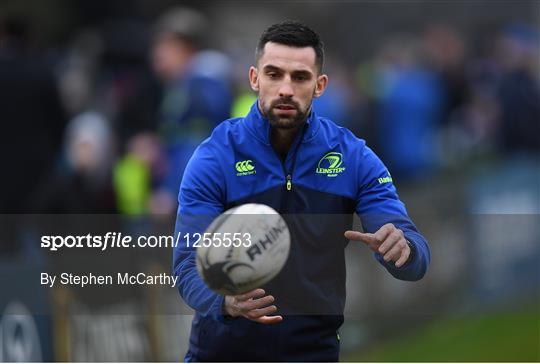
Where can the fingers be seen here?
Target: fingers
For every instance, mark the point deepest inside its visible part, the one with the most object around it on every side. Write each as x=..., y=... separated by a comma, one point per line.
x=404, y=257
x=366, y=238
x=394, y=253
x=383, y=232
x=388, y=241
x=251, y=294
x=257, y=313
x=395, y=248
x=255, y=306
x=252, y=304
x=372, y=240
x=391, y=239
x=268, y=320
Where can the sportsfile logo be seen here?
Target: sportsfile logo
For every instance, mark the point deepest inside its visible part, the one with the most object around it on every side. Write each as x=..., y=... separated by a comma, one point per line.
x=330, y=164
x=245, y=168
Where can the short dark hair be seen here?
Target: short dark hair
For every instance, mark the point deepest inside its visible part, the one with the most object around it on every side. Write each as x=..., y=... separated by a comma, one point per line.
x=294, y=34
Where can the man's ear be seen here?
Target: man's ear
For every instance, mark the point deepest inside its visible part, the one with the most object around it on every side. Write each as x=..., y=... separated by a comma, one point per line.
x=254, y=78
x=322, y=82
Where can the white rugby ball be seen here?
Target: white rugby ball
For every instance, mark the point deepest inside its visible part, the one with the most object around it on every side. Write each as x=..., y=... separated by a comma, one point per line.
x=245, y=247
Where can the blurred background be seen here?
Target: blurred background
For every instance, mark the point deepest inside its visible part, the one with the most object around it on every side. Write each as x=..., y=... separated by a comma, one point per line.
x=103, y=102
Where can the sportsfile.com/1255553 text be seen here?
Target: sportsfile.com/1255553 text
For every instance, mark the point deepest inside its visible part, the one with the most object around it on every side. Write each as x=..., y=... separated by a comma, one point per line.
x=120, y=240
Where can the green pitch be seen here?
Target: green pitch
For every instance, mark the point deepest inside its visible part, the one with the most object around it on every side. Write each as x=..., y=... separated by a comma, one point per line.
x=492, y=338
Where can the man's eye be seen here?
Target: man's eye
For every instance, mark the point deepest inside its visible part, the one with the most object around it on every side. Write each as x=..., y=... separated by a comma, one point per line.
x=301, y=78
x=273, y=75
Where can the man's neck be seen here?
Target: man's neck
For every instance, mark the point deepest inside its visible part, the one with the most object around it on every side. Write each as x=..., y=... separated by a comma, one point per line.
x=282, y=139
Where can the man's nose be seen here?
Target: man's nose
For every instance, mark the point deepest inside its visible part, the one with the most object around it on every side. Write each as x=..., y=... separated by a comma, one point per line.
x=285, y=89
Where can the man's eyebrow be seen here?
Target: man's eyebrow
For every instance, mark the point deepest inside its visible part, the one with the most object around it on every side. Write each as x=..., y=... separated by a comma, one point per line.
x=302, y=73
x=270, y=67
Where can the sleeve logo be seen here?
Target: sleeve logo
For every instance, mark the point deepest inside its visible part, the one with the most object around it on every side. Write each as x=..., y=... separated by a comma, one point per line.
x=330, y=164
x=245, y=168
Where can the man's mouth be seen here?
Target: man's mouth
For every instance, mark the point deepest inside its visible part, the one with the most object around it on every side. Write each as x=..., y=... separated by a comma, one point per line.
x=285, y=107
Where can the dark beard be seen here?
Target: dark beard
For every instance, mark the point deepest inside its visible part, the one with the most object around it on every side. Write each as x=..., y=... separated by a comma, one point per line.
x=279, y=122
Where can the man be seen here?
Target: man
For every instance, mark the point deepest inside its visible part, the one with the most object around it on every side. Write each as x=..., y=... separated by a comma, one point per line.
x=196, y=96
x=303, y=164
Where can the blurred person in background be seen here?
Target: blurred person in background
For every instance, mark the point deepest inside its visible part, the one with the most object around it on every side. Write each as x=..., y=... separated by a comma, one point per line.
x=136, y=174
x=446, y=55
x=82, y=184
x=32, y=121
x=197, y=94
x=472, y=127
x=500, y=105
x=338, y=101
x=106, y=74
x=126, y=91
x=410, y=101
x=519, y=89
x=31, y=112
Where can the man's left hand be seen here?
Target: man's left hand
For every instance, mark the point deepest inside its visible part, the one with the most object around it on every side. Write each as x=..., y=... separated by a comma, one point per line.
x=389, y=241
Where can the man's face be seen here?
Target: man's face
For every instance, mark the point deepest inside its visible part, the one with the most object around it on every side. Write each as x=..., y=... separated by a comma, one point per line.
x=170, y=57
x=286, y=79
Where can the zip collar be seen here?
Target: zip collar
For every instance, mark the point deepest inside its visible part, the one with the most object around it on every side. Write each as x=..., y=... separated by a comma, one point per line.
x=259, y=126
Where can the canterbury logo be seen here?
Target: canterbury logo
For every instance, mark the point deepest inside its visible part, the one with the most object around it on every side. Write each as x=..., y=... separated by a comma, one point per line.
x=330, y=164
x=244, y=168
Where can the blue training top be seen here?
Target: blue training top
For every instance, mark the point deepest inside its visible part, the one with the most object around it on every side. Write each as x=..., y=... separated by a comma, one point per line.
x=327, y=176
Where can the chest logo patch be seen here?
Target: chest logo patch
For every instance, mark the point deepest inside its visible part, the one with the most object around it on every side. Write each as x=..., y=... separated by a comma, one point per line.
x=244, y=168
x=330, y=164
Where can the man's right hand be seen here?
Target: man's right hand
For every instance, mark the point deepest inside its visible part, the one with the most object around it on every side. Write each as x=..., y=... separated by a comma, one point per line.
x=253, y=305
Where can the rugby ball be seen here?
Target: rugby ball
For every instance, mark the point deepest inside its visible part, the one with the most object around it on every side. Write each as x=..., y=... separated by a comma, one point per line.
x=243, y=248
